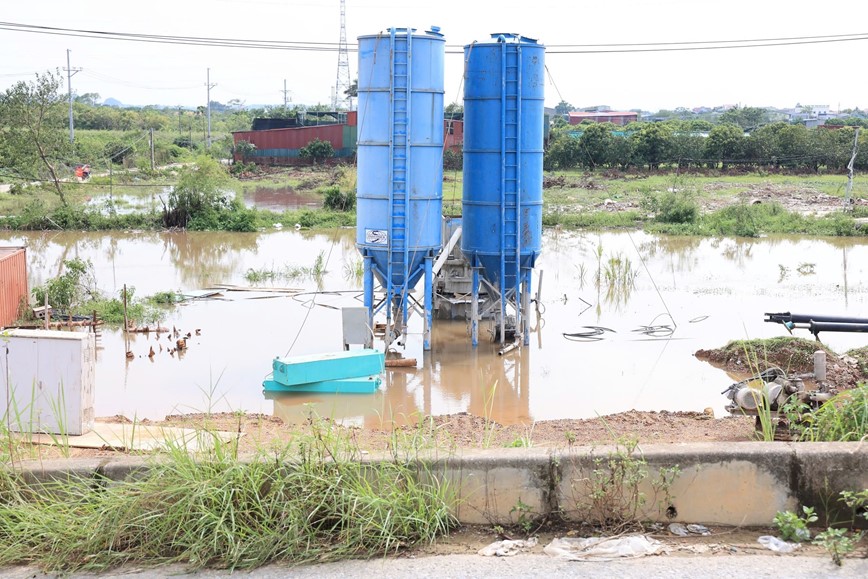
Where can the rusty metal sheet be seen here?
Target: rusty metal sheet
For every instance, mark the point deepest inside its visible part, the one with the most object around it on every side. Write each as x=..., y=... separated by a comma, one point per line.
x=13, y=283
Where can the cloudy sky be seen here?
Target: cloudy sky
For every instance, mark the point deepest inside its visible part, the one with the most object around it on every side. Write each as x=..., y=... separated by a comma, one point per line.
x=814, y=64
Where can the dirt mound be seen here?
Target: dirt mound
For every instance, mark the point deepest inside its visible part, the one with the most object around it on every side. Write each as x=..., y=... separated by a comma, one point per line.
x=792, y=355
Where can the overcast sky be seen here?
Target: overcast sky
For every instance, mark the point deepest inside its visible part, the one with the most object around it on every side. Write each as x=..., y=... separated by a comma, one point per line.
x=823, y=73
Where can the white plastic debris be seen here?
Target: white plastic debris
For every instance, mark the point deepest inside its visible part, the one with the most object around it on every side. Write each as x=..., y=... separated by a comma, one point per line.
x=508, y=548
x=602, y=548
x=699, y=530
x=678, y=529
x=777, y=545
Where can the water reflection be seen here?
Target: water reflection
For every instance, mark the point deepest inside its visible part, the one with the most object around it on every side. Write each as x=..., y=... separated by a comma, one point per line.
x=678, y=280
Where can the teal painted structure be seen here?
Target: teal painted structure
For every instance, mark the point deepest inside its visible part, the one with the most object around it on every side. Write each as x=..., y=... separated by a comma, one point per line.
x=400, y=167
x=503, y=159
x=306, y=373
x=363, y=385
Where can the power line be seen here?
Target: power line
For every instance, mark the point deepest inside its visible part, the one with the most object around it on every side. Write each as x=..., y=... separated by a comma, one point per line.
x=603, y=48
x=114, y=80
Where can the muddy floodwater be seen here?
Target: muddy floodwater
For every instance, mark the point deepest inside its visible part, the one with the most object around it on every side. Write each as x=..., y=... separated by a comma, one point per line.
x=709, y=290
x=271, y=198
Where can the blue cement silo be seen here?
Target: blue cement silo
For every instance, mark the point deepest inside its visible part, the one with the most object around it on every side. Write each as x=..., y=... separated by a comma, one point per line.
x=503, y=159
x=400, y=168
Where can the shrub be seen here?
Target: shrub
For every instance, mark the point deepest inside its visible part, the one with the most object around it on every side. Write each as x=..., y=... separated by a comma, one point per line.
x=68, y=289
x=317, y=150
x=672, y=207
x=183, y=142
x=118, y=151
x=453, y=160
x=197, y=195
x=337, y=200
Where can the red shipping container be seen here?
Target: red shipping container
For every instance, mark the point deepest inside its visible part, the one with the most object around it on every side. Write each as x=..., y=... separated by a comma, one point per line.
x=294, y=138
x=13, y=283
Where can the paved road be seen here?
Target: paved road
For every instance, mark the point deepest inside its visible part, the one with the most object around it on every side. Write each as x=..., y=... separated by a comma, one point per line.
x=536, y=565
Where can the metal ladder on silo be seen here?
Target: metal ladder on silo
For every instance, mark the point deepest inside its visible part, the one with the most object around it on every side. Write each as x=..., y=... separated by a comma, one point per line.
x=399, y=175
x=510, y=202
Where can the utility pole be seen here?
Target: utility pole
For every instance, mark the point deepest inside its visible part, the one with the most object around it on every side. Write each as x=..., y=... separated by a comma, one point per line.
x=210, y=86
x=342, y=84
x=847, y=199
x=70, y=72
x=152, y=149
x=285, y=95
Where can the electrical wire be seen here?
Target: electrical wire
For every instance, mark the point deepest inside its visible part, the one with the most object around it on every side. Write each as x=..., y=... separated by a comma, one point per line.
x=603, y=48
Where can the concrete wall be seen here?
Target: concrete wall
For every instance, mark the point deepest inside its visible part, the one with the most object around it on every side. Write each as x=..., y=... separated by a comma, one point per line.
x=719, y=484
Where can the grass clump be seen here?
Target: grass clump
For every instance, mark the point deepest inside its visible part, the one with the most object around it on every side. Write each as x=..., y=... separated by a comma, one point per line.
x=313, y=500
x=843, y=418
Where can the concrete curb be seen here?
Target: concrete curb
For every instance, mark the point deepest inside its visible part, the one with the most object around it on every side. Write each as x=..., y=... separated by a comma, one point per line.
x=743, y=483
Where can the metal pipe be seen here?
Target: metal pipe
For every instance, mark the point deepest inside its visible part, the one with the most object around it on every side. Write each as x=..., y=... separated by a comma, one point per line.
x=368, y=284
x=816, y=327
x=474, y=307
x=429, y=300
x=789, y=318
x=525, y=306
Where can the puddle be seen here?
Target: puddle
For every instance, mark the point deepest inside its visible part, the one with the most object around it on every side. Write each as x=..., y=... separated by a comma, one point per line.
x=273, y=199
x=708, y=290
x=282, y=199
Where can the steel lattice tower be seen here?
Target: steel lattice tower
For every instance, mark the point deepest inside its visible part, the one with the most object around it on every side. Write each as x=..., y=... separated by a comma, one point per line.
x=342, y=83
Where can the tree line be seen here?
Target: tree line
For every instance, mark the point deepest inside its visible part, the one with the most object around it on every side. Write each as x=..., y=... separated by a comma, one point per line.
x=700, y=144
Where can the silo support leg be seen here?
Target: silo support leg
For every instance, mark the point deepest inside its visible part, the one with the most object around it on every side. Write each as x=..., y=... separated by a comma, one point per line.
x=429, y=301
x=368, y=284
x=525, y=307
x=474, y=308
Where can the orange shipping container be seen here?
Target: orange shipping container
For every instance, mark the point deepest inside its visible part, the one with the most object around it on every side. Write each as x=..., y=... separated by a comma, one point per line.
x=13, y=283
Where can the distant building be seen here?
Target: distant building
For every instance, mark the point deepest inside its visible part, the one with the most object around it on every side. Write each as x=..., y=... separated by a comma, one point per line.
x=614, y=117
x=453, y=134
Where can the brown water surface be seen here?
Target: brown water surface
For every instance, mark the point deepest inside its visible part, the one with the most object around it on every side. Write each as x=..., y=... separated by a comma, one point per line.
x=709, y=290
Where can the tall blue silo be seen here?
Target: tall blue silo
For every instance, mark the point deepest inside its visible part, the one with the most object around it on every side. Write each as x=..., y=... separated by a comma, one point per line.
x=503, y=159
x=400, y=168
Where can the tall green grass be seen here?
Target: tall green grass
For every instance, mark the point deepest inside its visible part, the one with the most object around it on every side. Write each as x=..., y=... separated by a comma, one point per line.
x=310, y=500
x=843, y=418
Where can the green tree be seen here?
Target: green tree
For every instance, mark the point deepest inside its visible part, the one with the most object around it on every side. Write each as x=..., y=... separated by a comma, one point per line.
x=748, y=118
x=34, y=143
x=687, y=147
x=724, y=144
x=793, y=146
x=596, y=144
x=453, y=109
x=563, y=108
x=353, y=90
x=621, y=152
x=564, y=152
x=652, y=144
x=317, y=150
x=761, y=146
